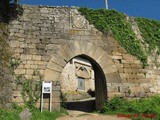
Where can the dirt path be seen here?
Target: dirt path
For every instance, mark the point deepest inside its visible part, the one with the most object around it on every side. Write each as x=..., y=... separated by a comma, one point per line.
x=78, y=115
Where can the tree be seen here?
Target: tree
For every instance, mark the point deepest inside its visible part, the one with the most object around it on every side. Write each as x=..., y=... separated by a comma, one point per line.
x=5, y=8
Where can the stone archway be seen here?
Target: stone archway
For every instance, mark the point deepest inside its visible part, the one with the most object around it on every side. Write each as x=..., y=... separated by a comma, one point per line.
x=100, y=60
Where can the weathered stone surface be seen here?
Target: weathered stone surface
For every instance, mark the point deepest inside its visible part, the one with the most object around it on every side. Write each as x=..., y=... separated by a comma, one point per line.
x=110, y=69
x=46, y=38
x=106, y=63
x=20, y=71
x=113, y=77
x=51, y=75
x=54, y=66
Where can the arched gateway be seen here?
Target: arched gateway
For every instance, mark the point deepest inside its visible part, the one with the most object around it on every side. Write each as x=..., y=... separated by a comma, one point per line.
x=100, y=60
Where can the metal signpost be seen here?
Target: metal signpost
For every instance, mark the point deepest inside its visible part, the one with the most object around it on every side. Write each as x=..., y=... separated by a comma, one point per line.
x=46, y=89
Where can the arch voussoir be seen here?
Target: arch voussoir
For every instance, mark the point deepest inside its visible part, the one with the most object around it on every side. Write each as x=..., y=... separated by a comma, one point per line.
x=97, y=53
x=67, y=49
x=113, y=77
x=110, y=69
x=93, y=49
x=106, y=63
x=75, y=48
x=51, y=75
x=103, y=57
x=56, y=59
x=54, y=66
x=63, y=54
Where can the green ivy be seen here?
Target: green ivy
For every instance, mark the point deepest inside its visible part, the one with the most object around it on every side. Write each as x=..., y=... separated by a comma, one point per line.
x=31, y=89
x=150, y=31
x=111, y=20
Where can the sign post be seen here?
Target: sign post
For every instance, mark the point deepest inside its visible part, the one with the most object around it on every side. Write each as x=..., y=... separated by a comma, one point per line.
x=46, y=89
x=106, y=1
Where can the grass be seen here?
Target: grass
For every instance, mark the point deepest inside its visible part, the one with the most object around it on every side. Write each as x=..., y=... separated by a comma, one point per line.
x=144, y=108
x=13, y=114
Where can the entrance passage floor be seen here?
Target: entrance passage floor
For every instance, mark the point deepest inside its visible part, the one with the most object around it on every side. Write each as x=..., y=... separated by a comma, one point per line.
x=79, y=115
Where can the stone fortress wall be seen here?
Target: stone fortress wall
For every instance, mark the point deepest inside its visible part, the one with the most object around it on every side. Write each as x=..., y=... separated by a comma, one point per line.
x=46, y=38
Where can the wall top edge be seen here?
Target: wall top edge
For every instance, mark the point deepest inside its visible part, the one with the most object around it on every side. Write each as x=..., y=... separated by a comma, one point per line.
x=47, y=6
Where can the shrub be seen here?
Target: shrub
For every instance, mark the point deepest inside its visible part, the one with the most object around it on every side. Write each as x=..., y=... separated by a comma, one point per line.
x=142, y=107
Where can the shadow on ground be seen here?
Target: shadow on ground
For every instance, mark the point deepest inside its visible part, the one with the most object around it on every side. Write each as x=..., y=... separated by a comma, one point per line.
x=85, y=105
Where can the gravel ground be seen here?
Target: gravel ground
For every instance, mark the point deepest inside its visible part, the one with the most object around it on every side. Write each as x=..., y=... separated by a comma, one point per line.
x=78, y=115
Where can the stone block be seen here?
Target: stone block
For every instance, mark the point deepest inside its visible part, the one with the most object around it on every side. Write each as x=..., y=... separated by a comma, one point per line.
x=36, y=57
x=135, y=70
x=123, y=89
x=128, y=70
x=29, y=71
x=56, y=59
x=39, y=62
x=106, y=63
x=140, y=75
x=20, y=71
x=97, y=53
x=142, y=70
x=52, y=46
x=56, y=100
x=56, y=88
x=135, y=89
x=113, y=77
x=116, y=53
x=56, y=94
x=124, y=75
x=136, y=66
x=63, y=54
x=117, y=57
x=126, y=65
x=45, y=58
x=110, y=69
x=54, y=66
x=92, y=50
x=112, y=89
x=14, y=44
x=33, y=66
x=27, y=66
x=118, y=94
x=103, y=57
x=56, y=106
x=26, y=57
x=128, y=58
x=120, y=70
x=124, y=61
x=132, y=80
x=51, y=75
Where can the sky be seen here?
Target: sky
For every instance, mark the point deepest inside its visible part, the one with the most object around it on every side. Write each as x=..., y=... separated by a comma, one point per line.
x=136, y=8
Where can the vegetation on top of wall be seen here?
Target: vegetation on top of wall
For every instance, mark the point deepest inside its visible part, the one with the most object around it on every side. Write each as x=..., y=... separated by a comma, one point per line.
x=150, y=31
x=111, y=20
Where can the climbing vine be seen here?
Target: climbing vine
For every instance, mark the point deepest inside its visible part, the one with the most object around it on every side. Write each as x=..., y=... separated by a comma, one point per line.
x=111, y=20
x=30, y=87
x=30, y=90
x=150, y=31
